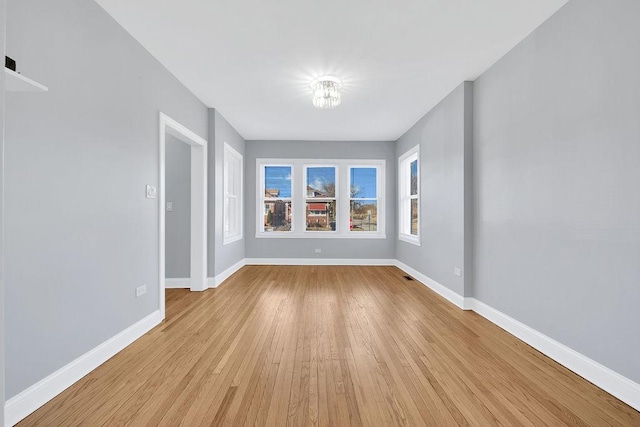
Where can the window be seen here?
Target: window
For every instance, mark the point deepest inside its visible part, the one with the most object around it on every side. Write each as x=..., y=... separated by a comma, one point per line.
x=275, y=195
x=320, y=198
x=363, y=198
x=409, y=194
x=232, y=195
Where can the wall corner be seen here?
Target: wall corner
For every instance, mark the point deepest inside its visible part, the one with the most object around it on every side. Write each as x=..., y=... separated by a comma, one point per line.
x=468, y=190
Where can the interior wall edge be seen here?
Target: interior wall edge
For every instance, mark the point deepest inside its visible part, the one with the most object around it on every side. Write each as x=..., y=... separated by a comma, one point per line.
x=3, y=7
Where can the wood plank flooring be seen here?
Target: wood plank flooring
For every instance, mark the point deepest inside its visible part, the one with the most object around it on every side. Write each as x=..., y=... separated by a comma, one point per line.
x=328, y=346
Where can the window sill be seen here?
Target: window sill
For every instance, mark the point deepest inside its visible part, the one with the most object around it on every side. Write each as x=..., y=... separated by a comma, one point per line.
x=318, y=235
x=414, y=240
x=231, y=239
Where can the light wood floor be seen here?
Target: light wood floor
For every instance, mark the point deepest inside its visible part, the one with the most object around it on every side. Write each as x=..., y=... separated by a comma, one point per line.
x=328, y=346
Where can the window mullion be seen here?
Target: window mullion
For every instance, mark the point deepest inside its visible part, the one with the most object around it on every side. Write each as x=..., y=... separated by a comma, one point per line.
x=344, y=205
x=298, y=196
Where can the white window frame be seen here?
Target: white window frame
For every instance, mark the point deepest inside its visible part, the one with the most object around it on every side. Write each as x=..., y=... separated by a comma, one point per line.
x=308, y=199
x=405, y=197
x=299, y=197
x=233, y=164
x=379, y=190
x=261, y=164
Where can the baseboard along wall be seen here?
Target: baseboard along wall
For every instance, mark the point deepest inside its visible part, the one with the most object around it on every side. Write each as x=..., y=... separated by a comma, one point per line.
x=318, y=261
x=20, y=406
x=610, y=381
x=628, y=391
x=184, y=283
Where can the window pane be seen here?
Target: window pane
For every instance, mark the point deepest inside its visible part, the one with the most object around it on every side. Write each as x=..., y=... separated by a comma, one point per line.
x=277, y=216
x=229, y=177
x=232, y=214
x=363, y=183
x=226, y=176
x=234, y=172
x=364, y=215
x=321, y=216
x=414, y=217
x=414, y=178
x=227, y=216
x=277, y=181
x=321, y=182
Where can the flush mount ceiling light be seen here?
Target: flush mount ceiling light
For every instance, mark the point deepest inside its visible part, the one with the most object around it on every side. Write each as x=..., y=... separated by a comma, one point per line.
x=326, y=92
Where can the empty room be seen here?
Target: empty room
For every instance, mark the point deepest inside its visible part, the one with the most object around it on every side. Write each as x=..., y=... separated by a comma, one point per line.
x=345, y=213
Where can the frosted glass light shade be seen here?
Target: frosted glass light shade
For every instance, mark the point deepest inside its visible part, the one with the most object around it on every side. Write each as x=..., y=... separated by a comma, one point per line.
x=326, y=93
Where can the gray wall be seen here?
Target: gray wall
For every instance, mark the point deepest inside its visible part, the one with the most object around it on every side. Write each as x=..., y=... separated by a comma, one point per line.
x=557, y=149
x=331, y=248
x=221, y=256
x=80, y=234
x=443, y=135
x=178, y=221
x=3, y=8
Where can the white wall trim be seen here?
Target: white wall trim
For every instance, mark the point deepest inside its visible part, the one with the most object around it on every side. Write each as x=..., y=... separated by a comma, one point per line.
x=404, y=196
x=318, y=261
x=226, y=274
x=628, y=391
x=321, y=235
x=467, y=303
x=177, y=283
x=610, y=381
x=26, y=402
x=198, y=232
x=230, y=154
x=438, y=288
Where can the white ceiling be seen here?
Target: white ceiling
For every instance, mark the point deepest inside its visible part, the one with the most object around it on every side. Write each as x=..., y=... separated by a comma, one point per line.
x=253, y=60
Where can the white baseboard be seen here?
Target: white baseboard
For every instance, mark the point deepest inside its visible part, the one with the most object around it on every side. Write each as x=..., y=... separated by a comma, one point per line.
x=318, y=261
x=610, y=381
x=214, y=282
x=438, y=288
x=18, y=407
x=467, y=303
x=26, y=402
x=177, y=283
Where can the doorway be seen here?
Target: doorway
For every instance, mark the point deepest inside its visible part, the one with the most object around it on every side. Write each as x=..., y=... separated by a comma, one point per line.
x=177, y=220
x=171, y=130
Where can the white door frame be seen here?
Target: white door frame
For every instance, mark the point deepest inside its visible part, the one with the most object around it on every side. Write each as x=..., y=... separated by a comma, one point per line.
x=198, y=267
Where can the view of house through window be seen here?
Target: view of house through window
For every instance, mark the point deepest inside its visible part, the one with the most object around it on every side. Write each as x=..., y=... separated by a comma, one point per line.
x=363, y=195
x=321, y=199
x=277, y=198
x=335, y=198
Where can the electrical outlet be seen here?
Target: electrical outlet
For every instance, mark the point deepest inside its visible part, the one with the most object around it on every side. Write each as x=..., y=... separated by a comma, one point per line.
x=141, y=290
x=318, y=251
x=169, y=206
x=457, y=271
x=152, y=192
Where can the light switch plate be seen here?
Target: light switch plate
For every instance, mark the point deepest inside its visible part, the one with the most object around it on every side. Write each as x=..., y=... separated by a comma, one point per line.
x=169, y=206
x=152, y=192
